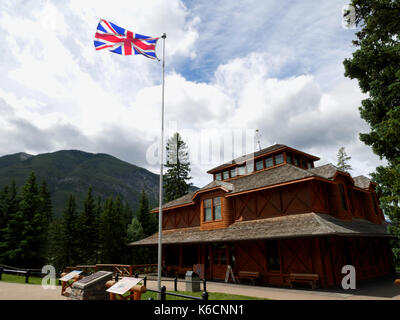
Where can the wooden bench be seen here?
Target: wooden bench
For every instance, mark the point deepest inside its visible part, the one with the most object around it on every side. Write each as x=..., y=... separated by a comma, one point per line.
x=252, y=275
x=310, y=278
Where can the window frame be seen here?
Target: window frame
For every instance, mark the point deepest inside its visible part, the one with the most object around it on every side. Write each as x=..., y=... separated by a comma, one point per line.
x=212, y=209
x=275, y=156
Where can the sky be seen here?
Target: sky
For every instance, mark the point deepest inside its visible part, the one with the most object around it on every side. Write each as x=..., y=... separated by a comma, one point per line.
x=230, y=68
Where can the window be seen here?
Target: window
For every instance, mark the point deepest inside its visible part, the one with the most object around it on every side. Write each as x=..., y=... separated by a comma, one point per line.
x=343, y=197
x=268, y=162
x=218, y=176
x=241, y=170
x=279, y=158
x=217, y=208
x=250, y=167
x=274, y=261
x=226, y=174
x=288, y=157
x=259, y=165
x=310, y=164
x=212, y=209
x=207, y=210
x=304, y=163
x=233, y=172
x=296, y=160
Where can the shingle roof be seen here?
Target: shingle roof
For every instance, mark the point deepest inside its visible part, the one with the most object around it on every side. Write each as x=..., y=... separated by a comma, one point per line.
x=327, y=171
x=299, y=225
x=362, y=182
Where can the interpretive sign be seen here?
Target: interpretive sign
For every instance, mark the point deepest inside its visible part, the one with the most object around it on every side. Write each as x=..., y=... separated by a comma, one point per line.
x=70, y=275
x=124, y=285
x=93, y=277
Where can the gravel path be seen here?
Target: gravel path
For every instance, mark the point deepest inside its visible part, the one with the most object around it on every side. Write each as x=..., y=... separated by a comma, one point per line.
x=377, y=290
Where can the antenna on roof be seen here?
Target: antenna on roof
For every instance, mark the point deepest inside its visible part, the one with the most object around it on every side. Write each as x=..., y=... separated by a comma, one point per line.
x=258, y=139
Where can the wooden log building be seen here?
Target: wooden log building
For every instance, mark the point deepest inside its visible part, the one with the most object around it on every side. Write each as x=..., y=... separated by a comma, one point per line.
x=272, y=214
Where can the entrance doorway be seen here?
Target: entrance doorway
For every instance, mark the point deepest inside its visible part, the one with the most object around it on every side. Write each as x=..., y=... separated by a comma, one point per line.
x=219, y=260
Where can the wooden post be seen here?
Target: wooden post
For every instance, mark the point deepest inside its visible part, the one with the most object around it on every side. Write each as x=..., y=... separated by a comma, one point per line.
x=163, y=295
x=27, y=276
x=176, y=284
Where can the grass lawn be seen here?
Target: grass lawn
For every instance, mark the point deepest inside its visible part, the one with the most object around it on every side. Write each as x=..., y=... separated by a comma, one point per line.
x=211, y=296
x=21, y=279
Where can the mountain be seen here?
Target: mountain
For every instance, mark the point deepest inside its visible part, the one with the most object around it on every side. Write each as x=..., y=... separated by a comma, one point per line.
x=73, y=171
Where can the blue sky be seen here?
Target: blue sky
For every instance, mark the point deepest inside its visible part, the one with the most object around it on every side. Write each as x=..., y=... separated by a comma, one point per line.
x=231, y=66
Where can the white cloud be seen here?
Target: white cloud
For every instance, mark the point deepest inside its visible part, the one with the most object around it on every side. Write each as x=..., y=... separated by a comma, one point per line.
x=269, y=65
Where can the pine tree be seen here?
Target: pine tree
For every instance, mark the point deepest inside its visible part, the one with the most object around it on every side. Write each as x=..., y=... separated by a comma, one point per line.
x=112, y=233
x=177, y=176
x=70, y=233
x=144, y=216
x=45, y=198
x=343, y=159
x=88, y=231
x=134, y=231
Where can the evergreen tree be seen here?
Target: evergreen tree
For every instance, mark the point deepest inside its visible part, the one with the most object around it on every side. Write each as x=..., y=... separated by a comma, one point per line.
x=176, y=179
x=88, y=231
x=56, y=254
x=70, y=233
x=27, y=229
x=144, y=216
x=112, y=233
x=134, y=231
x=45, y=198
x=375, y=64
x=343, y=159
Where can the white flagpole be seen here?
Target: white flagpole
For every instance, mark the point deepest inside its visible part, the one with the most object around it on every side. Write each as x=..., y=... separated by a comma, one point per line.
x=161, y=175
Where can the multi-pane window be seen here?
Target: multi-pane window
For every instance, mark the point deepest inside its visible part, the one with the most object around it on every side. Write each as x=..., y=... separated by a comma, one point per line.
x=279, y=158
x=226, y=174
x=212, y=209
x=250, y=167
x=269, y=162
x=218, y=176
x=217, y=208
x=207, y=209
x=304, y=163
x=241, y=170
x=288, y=157
x=259, y=164
x=233, y=172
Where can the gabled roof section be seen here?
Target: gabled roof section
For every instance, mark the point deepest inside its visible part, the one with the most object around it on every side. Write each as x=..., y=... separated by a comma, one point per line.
x=226, y=186
x=265, y=151
x=362, y=182
x=329, y=171
x=276, y=175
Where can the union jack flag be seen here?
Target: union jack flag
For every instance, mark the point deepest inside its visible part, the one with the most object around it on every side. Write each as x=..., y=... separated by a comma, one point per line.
x=119, y=40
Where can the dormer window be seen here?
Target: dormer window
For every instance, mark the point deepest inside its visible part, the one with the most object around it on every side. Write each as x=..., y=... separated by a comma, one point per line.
x=212, y=209
x=288, y=157
x=296, y=160
x=250, y=167
x=226, y=174
x=218, y=176
x=241, y=170
x=233, y=172
x=279, y=158
x=269, y=162
x=259, y=164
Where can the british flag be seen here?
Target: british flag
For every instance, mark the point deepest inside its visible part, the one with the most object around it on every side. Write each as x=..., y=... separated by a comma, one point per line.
x=119, y=40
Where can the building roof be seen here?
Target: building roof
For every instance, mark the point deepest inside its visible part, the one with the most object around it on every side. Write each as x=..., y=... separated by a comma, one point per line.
x=362, y=182
x=242, y=159
x=284, y=173
x=291, y=226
